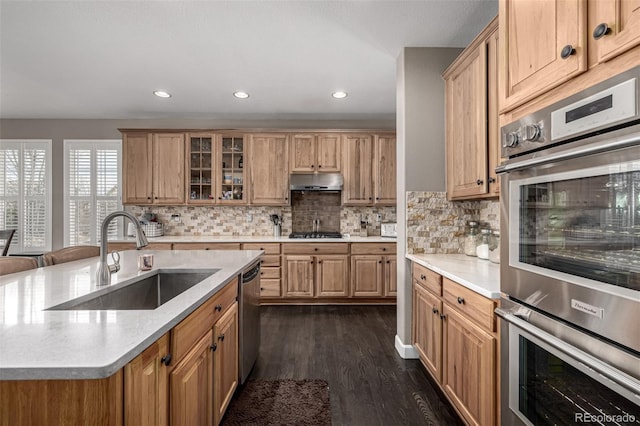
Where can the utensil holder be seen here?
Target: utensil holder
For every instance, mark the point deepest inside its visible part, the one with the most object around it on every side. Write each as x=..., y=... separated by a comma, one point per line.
x=277, y=230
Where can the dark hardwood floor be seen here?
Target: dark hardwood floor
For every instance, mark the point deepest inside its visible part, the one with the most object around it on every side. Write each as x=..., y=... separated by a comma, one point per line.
x=352, y=348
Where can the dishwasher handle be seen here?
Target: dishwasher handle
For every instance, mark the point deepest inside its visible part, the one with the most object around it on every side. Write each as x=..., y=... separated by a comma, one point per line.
x=251, y=273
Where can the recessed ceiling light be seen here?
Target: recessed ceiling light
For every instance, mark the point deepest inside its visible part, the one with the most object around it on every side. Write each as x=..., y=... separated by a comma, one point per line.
x=162, y=94
x=339, y=95
x=241, y=95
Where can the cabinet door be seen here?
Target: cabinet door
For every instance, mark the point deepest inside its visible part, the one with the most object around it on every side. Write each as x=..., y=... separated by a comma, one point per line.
x=201, y=168
x=137, y=168
x=328, y=153
x=298, y=276
x=190, y=385
x=357, y=161
x=168, y=168
x=466, y=127
x=225, y=361
x=303, y=153
x=535, y=34
x=385, y=170
x=622, y=17
x=231, y=185
x=469, y=376
x=146, y=391
x=269, y=169
x=390, y=278
x=332, y=276
x=493, y=127
x=427, y=329
x=366, y=276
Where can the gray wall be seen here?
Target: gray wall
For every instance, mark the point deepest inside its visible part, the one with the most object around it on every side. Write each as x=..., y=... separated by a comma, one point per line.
x=58, y=130
x=420, y=127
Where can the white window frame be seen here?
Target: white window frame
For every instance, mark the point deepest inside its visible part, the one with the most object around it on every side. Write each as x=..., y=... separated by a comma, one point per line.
x=17, y=244
x=91, y=145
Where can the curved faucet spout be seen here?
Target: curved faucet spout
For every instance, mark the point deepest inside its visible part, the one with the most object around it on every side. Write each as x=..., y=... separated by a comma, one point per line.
x=104, y=274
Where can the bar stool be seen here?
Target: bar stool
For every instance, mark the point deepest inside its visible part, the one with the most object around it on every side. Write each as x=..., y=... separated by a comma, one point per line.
x=9, y=265
x=69, y=254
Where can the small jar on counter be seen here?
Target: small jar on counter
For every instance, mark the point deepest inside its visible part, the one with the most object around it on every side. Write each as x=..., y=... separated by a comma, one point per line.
x=494, y=247
x=471, y=239
x=482, y=249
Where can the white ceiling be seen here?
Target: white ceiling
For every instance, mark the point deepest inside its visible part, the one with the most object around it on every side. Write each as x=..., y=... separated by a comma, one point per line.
x=89, y=59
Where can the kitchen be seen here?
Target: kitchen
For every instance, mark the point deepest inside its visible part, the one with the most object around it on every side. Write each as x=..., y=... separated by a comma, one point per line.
x=434, y=223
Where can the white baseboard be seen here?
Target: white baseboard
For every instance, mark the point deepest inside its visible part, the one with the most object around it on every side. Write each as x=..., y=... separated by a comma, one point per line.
x=405, y=351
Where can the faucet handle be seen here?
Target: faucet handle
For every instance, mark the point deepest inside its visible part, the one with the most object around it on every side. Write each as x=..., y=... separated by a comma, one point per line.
x=116, y=262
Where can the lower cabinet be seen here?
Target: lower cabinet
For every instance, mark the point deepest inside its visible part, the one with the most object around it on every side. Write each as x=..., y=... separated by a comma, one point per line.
x=373, y=270
x=454, y=333
x=316, y=276
x=225, y=361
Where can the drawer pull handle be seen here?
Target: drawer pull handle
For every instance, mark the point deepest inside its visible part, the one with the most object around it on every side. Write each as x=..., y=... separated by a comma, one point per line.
x=434, y=310
x=218, y=308
x=460, y=300
x=166, y=360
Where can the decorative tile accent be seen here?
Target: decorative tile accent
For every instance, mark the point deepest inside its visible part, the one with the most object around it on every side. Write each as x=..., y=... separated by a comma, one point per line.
x=436, y=225
x=309, y=205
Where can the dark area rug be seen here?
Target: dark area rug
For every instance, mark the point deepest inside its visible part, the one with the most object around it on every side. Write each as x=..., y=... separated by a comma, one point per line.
x=280, y=402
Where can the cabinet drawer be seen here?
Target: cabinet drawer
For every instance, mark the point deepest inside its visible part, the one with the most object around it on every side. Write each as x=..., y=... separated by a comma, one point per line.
x=315, y=248
x=476, y=307
x=132, y=246
x=269, y=248
x=268, y=260
x=269, y=288
x=206, y=246
x=428, y=279
x=373, y=248
x=269, y=273
x=188, y=331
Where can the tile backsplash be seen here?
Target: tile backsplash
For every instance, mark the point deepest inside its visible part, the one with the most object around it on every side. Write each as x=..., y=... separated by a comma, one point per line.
x=437, y=225
x=234, y=220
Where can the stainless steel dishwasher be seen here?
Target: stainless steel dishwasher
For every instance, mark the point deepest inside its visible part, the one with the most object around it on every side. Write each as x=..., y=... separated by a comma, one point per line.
x=249, y=292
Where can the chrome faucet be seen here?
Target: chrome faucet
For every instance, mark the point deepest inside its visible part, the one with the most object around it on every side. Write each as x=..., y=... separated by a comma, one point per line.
x=104, y=271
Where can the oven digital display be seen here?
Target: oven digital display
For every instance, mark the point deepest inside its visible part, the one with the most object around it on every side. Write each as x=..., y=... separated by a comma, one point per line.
x=589, y=109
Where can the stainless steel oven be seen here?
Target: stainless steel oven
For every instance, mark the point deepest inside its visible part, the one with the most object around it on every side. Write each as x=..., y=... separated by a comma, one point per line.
x=570, y=275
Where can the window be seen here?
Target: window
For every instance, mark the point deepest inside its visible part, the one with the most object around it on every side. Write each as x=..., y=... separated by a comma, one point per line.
x=25, y=193
x=91, y=189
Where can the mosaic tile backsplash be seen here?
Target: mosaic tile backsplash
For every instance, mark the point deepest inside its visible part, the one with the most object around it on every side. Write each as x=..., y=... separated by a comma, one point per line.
x=234, y=220
x=437, y=225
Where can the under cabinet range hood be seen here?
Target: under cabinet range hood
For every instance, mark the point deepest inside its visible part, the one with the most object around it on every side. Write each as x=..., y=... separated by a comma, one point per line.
x=316, y=182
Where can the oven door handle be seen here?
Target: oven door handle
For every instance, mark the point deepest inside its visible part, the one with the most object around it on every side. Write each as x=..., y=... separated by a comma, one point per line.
x=579, y=151
x=587, y=360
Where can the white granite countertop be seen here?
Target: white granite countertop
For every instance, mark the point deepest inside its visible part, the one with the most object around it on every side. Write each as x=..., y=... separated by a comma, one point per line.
x=478, y=275
x=257, y=239
x=39, y=344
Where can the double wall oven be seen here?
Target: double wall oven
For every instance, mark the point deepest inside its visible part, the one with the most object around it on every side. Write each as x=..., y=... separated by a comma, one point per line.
x=570, y=276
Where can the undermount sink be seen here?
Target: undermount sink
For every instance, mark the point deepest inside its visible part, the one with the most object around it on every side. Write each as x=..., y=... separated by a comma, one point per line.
x=145, y=294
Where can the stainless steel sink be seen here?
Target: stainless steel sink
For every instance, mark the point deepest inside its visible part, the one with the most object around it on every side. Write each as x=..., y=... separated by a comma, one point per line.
x=145, y=294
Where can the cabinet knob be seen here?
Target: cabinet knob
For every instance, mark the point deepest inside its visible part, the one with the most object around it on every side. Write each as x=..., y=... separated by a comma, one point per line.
x=286, y=198
x=221, y=337
x=369, y=198
x=443, y=317
x=492, y=180
x=261, y=288
x=434, y=310
x=377, y=198
x=422, y=277
x=460, y=300
x=601, y=30
x=319, y=165
x=319, y=261
x=148, y=198
x=206, y=248
x=567, y=51
x=166, y=360
x=219, y=198
x=479, y=182
x=315, y=249
x=388, y=261
x=218, y=308
x=213, y=347
x=379, y=261
x=384, y=249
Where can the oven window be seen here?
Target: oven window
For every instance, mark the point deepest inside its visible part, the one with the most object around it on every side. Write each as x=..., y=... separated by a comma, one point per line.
x=552, y=392
x=588, y=227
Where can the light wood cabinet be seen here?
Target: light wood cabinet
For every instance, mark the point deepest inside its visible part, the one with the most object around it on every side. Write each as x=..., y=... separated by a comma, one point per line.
x=225, y=361
x=191, y=384
x=545, y=44
x=269, y=169
x=454, y=333
x=390, y=276
x=311, y=153
x=153, y=168
x=373, y=270
x=472, y=143
x=146, y=391
x=358, y=158
x=316, y=276
x=614, y=28
x=384, y=172
x=115, y=246
x=206, y=246
x=299, y=276
x=271, y=271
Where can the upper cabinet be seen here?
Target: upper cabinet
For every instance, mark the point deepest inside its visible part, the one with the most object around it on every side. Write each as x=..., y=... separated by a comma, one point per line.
x=614, y=28
x=369, y=167
x=269, y=169
x=153, y=168
x=472, y=119
x=544, y=45
x=315, y=153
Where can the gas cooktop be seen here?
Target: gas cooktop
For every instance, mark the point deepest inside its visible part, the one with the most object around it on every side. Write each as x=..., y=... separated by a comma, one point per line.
x=315, y=235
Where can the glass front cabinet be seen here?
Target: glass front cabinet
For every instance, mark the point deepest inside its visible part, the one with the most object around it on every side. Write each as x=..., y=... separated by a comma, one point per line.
x=216, y=169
